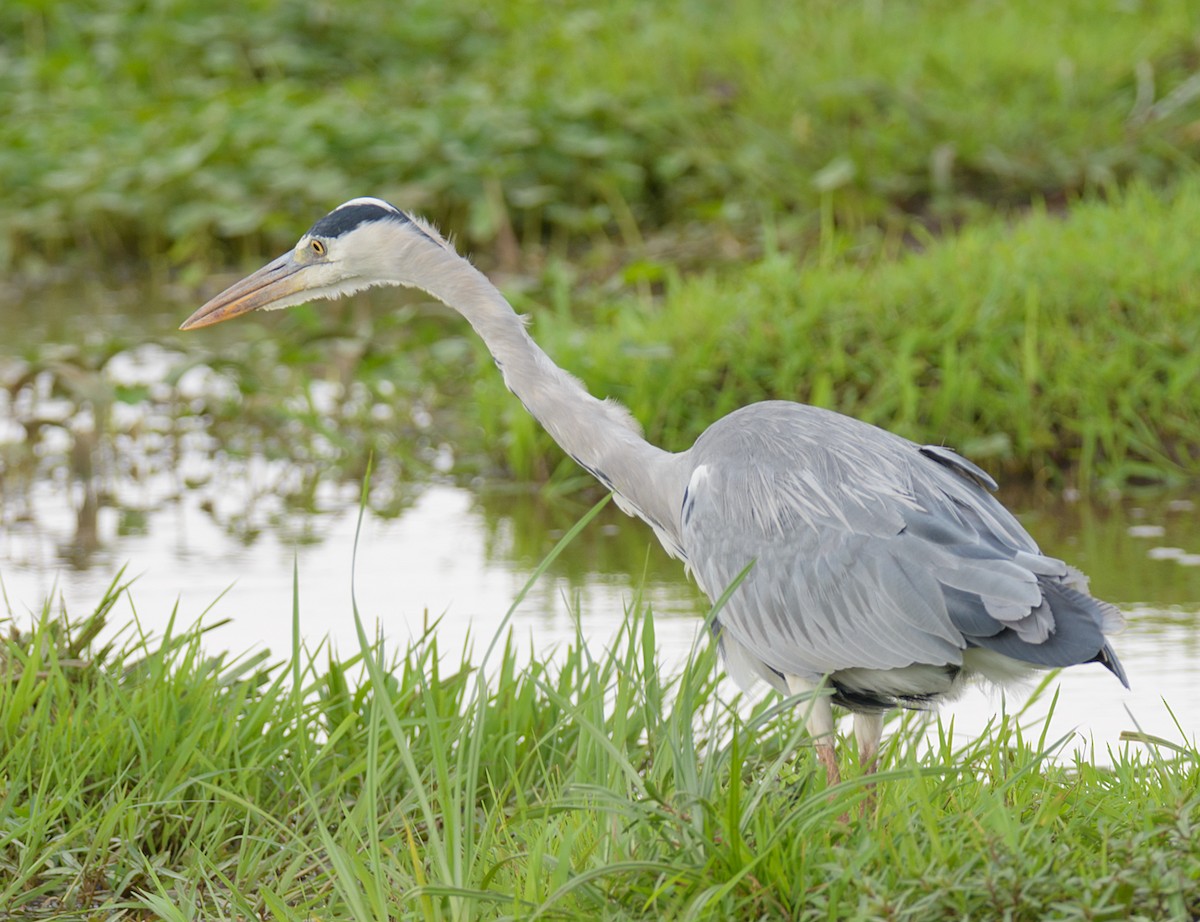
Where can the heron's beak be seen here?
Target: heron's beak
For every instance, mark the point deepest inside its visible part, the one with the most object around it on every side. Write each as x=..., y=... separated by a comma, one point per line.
x=273, y=282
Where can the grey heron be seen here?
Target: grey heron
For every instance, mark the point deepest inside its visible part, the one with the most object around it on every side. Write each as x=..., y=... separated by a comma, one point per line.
x=881, y=570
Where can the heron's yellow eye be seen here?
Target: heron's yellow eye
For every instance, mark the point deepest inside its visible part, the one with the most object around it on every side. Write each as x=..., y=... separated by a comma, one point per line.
x=318, y=247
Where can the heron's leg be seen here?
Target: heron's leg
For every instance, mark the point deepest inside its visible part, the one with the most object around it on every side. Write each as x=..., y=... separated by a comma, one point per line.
x=820, y=725
x=868, y=730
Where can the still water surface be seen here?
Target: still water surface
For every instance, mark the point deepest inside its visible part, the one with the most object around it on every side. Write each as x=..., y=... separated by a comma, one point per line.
x=456, y=555
x=214, y=533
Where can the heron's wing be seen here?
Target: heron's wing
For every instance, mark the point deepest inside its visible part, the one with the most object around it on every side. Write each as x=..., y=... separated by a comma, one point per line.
x=867, y=550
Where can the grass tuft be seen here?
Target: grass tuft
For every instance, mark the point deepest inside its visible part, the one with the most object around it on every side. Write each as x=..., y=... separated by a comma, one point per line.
x=1054, y=349
x=148, y=777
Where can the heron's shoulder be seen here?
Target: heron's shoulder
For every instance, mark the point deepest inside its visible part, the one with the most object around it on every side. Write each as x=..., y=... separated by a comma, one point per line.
x=773, y=438
x=780, y=434
x=787, y=419
x=778, y=465
x=772, y=465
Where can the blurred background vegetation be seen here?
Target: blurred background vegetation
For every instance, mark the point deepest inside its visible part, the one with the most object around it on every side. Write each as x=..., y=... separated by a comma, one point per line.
x=172, y=126
x=971, y=222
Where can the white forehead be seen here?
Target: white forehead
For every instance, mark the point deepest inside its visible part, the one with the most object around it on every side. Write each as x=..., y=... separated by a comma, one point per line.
x=368, y=200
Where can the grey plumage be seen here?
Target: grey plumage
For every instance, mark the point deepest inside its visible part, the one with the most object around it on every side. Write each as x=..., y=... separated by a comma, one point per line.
x=882, y=567
x=871, y=552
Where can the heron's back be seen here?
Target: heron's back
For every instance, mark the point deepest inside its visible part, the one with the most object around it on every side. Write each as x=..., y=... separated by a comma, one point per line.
x=871, y=552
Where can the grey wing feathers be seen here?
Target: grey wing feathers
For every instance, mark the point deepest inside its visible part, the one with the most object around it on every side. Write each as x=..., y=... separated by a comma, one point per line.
x=870, y=551
x=957, y=462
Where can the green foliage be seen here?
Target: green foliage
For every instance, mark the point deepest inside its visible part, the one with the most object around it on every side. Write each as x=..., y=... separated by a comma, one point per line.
x=1059, y=347
x=142, y=128
x=1055, y=349
x=633, y=148
x=151, y=777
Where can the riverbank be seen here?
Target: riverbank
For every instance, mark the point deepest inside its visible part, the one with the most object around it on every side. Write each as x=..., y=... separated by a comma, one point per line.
x=968, y=225
x=149, y=778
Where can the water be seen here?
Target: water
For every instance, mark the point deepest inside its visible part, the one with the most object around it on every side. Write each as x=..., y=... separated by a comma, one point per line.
x=453, y=556
x=215, y=535
x=442, y=559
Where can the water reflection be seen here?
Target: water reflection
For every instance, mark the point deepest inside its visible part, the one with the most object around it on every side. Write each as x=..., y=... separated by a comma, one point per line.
x=211, y=476
x=462, y=558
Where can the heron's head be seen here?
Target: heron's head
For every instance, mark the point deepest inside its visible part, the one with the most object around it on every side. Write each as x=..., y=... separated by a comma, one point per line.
x=360, y=244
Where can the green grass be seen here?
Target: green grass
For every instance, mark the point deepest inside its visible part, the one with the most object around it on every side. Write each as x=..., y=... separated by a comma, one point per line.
x=149, y=779
x=192, y=128
x=1057, y=348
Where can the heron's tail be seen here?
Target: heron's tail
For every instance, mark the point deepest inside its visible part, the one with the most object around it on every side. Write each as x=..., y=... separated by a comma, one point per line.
x=1080, y=625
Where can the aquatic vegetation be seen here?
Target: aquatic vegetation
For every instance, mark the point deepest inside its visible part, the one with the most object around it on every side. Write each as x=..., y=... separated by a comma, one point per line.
x=1055, y=350
x=272, y=423
x=132, y=135
x=965, y=224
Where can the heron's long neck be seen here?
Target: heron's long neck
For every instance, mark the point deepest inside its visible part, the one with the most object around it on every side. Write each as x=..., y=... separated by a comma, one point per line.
x=599, y=435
